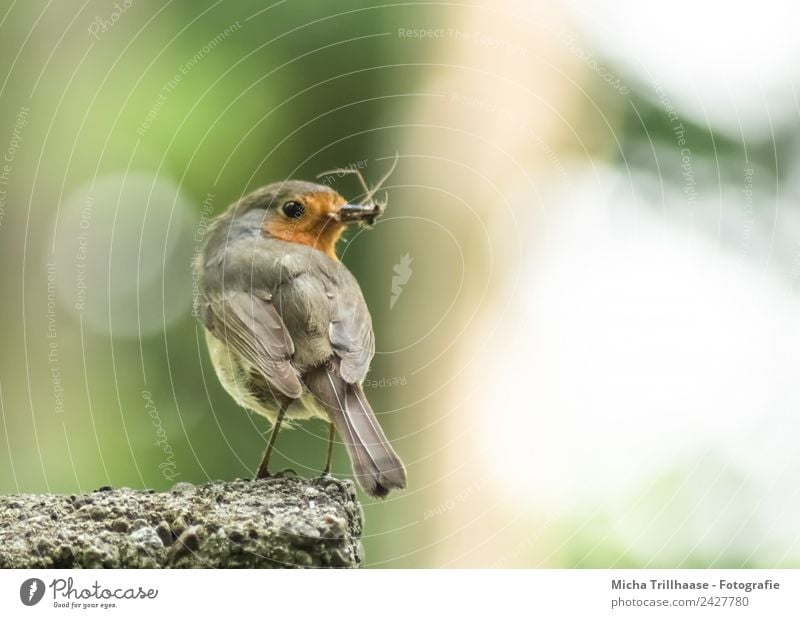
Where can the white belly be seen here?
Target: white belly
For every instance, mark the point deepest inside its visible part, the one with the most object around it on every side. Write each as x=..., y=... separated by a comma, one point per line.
x=233, y=372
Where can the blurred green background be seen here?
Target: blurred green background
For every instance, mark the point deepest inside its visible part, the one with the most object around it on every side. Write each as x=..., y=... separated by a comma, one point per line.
x=592, y=363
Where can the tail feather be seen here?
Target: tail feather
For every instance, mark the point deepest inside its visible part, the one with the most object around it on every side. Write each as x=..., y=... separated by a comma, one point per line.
x=376, y=466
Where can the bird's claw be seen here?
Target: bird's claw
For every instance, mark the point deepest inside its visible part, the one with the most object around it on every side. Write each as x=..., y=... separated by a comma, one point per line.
x=287, y=473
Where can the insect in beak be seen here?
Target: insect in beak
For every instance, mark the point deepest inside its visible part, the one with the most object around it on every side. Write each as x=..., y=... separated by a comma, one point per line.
x=358, y=212
x=372, y=208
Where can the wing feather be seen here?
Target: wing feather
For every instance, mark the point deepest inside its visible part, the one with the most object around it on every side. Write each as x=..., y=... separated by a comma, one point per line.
x=350, y=331
x=253, y=328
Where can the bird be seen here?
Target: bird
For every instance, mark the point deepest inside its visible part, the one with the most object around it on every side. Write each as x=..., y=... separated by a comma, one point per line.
x=286, y=325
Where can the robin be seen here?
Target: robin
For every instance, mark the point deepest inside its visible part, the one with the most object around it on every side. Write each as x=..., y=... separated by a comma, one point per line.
x=288, y=331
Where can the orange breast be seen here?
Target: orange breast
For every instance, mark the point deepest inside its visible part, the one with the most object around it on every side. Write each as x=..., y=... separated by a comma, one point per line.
x=317, y=228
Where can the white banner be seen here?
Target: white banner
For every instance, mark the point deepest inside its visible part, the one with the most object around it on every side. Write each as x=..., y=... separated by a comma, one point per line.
x=634, y=593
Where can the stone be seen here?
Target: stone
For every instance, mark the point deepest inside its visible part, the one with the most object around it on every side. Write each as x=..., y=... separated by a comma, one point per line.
x=271, y=523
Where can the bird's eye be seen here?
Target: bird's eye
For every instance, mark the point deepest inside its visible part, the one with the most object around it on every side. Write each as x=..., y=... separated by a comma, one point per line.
x=293, y=210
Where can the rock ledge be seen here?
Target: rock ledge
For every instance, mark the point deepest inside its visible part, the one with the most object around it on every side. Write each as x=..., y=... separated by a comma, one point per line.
x=273, y=523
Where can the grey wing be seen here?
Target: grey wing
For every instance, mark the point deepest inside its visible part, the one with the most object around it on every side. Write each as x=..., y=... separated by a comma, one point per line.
x=253, y=328
x=351, y=330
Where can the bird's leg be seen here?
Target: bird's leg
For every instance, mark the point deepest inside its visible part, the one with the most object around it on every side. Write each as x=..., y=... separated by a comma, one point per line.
x=329, y=458
x=263, y=469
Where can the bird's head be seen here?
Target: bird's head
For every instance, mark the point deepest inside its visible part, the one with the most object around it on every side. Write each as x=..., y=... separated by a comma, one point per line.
x=306, y=213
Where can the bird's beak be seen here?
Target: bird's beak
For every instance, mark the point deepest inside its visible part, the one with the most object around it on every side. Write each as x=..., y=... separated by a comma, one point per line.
x=356, y=212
